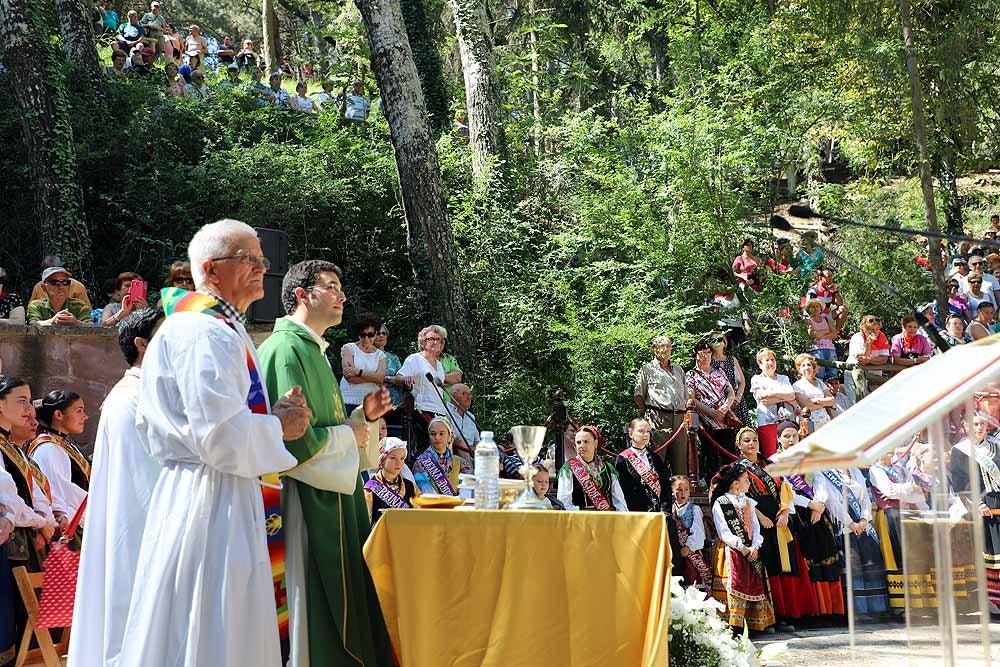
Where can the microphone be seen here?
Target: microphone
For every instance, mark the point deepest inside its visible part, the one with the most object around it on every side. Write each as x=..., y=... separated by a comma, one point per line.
x=781, y=223
x=801, y=211
x=439, y=390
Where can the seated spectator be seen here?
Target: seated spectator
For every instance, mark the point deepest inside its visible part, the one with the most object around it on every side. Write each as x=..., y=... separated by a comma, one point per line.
x=976, y=293
x=954, y=331
x=995, y=222
x=809, y=256
x=466, y=428
x=836, y=388
x=179, y=276
x=326, y=97
x=301, y=101
x=58, y=307
x=195, y=47
x=131, y=34
x=286, y=67
x=11, y=307
x=826, y=292
x=959, y=268
x=977, y=269
x=993, y=263
x=110, y=17
x=957, y=305
x=356, y=105
x=307, y=71
x=185, y=72
x=232, y=79
x=909, y=347
x=173, y=46
x=278, y=95
x=983, y=325
x=76, y=288
x=175, y=84
x=117, y=309
x=118, y=59
x=783, y=261
x=197, y=89
x=255, y=88
x=363, y=364
x=137, y=65
x=247, y=57
x=869, y=350
x=823, y=332
x=746, y=262
x=540, y=484
x=154, y=23
x=227, y=51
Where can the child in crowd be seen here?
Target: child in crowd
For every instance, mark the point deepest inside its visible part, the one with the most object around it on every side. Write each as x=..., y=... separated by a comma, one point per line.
x=691, y=531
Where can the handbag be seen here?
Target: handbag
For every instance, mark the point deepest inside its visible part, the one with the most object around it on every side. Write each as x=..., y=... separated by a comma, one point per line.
x=62, y=566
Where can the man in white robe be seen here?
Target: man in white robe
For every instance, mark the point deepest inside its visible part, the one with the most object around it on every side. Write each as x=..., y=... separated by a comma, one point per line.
x=121, y=483
x=203, y=594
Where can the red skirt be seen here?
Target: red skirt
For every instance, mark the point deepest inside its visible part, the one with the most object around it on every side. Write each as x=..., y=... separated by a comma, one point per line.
x=794, y=595
x=768, y=437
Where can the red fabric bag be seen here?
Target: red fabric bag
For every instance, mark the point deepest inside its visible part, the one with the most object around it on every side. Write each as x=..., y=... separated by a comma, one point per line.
x=62, y=566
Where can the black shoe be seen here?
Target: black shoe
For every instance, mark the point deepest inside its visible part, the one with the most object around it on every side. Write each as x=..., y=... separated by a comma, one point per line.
x=781, y=626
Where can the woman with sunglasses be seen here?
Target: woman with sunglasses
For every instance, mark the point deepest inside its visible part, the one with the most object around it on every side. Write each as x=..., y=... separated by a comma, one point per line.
x=362, y=362
x=179, y=276
x=976, y=294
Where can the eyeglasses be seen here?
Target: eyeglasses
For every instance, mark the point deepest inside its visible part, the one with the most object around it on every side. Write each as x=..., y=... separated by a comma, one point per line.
x=977, y=263
x=952, y=285
x=255, y=262
x=329, y=287
x=58, y=283
x=187, y=280
x=367, y=334
x=433, y=339
x=975, y=282
x=383, y=333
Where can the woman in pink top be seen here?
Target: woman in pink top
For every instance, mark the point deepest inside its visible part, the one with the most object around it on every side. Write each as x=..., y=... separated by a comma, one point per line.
x=746, y=262
x=909, y=347
x=823, y=333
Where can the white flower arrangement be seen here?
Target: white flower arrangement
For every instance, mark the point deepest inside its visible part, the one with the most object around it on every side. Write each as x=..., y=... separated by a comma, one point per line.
x=698, y=635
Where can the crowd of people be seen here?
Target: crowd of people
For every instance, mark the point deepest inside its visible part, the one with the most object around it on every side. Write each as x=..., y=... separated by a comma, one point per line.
x=175, y=437
x=140, y=42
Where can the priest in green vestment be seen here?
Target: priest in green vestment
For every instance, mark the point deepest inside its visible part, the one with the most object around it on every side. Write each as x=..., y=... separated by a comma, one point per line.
x=334, y=615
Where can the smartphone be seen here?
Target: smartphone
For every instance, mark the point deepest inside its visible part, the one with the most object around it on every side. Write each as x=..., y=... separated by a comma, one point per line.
x=137, y=290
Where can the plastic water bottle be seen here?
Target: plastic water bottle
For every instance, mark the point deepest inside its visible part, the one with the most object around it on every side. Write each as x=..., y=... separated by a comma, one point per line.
x=487, y=473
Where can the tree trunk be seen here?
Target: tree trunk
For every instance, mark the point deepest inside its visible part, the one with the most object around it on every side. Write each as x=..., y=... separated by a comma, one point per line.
x=920, y=137
x=79, y=44
x=269, y=43
x=475, y=43
x=424, y=36
x=418, y=167
x=39, y=88
x=536, y=84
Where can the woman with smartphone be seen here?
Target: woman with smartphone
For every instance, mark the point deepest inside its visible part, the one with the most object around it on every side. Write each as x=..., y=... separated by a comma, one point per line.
x=130, y=289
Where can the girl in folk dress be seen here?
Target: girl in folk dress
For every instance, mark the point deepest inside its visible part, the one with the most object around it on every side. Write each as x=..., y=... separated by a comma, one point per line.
x=740, y=581
x=587, y=481
x=691, y=531
x=815, y=534
x=388, y=488
x=435, y=470
x=787, y=573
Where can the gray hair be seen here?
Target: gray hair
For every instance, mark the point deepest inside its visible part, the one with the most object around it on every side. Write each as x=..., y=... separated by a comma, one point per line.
x=662, y=341
x=434, y=328
x=216, y=239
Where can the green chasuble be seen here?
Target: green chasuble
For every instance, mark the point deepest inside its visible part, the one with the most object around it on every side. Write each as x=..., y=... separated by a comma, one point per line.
x=345, y=624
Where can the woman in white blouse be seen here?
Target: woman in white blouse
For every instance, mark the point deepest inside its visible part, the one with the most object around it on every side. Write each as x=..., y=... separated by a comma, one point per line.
x=811, y=392
x=363, y=364
x=427, y=399
x=775, y=400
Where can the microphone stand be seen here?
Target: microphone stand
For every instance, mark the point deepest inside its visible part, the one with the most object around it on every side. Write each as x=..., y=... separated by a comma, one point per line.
x=434, y=381
x=781, y=223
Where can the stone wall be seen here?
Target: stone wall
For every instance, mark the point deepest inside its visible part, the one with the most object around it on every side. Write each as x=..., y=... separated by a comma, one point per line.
x=86, y=360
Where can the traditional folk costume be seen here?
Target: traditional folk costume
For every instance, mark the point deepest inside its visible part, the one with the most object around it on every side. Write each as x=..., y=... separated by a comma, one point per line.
x=590, y=486
x=121, y=484
x=436, y=473
x=691, y=533
x=845, y=495
x=335, y=615
x=985, y=459
x=893, y=485
x=205, y=590
x=738, y=583
x=645, y=482
x=818, y=542
x=381, y=494
x=66, y=468
x=792, y=592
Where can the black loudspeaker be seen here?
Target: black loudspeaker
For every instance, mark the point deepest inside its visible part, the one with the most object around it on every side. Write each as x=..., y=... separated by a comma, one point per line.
x=274, y=243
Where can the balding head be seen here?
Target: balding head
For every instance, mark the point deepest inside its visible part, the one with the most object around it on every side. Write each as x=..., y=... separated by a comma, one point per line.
x=461, y=395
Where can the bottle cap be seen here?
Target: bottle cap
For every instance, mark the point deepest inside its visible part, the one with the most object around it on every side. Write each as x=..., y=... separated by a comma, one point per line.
x=486, y=435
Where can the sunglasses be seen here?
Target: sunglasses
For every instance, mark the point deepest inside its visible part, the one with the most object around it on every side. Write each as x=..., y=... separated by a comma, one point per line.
x=367, y=334
x=57, y=283
x=975, y=282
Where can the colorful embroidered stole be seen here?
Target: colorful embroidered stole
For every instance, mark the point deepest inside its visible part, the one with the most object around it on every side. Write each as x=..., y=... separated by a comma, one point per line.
x=29, y=471
x=428, y=462
x=641, y=466
x=780, y=491
x=74, y=454
x=853, y=505
x=739, y=523
x=684, y=522
x=387, y=495
x=175, y=300
x=587, y=483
